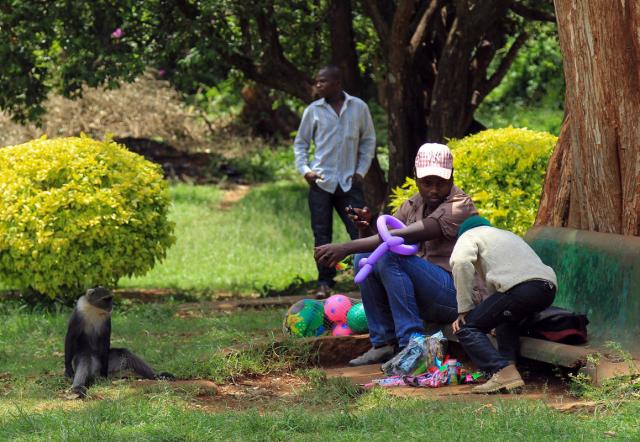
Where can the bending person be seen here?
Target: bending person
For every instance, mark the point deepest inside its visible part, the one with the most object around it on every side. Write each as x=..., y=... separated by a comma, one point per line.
x=523, y=285
x=403, y=291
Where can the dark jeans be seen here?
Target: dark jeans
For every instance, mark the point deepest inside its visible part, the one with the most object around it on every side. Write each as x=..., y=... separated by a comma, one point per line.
x=504, y=312
x=321, y=205
x=400, y=293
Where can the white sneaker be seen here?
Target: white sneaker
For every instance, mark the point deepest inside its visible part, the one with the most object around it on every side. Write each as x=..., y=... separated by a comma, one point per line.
x=374, y=356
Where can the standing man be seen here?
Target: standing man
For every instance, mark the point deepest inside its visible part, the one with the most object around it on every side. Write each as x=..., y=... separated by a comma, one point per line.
x=341, y=129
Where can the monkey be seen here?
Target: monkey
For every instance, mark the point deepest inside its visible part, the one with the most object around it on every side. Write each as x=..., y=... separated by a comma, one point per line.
x=87, y=345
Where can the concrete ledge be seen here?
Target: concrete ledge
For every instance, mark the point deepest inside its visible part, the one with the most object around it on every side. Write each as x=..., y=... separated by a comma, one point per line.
x=598, y=274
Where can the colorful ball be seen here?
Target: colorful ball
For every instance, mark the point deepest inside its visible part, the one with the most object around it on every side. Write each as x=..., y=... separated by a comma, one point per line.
x=357, y=319
x=336, y=308
x=304, y=318
x=341, y=329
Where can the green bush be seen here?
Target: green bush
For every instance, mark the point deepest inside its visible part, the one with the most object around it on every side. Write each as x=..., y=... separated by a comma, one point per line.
x=75, y=212
x=502, y=170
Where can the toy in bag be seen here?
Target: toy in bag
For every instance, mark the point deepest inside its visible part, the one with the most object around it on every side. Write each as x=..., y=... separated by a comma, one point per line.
x=304, y=318
x=419, y=354
x=338, y=315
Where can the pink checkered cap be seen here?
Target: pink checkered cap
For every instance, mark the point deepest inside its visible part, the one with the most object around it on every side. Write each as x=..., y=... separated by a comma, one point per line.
x=434, y=159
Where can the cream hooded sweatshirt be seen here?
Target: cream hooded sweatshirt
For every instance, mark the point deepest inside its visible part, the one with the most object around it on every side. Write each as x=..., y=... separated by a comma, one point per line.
x=501, y=258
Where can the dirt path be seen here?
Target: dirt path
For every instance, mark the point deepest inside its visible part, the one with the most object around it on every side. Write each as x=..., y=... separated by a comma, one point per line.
x=232, y=195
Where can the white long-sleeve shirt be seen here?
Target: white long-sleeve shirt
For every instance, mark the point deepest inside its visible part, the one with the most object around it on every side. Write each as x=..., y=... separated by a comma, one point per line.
x=344, y=144
x=501, y=258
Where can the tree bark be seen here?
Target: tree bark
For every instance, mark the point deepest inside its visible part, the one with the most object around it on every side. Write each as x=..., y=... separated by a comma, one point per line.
x=343, y=49
x=405, y=102
x=343, y=55
x=437, y=53
x=555, y=202
x=452, y=99
x=597, y=159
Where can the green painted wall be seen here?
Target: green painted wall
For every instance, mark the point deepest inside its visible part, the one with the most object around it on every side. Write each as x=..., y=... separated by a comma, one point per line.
x=598, y=274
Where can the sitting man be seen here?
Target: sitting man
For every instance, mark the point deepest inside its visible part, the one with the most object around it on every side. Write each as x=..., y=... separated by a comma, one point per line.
x=403, y=291
x=523, y=285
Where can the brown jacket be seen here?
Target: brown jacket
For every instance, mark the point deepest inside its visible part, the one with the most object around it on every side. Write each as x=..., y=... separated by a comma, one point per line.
x=456, y=207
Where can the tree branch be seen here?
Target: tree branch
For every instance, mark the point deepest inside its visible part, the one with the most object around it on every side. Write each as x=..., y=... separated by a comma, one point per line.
x=531, y=13
x=503, y=68
x=421, y=29
x=380, y=22
x=401, y=23
x=274, y=70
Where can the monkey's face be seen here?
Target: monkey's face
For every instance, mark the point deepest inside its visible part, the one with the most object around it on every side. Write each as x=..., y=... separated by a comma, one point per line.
x=100, y=297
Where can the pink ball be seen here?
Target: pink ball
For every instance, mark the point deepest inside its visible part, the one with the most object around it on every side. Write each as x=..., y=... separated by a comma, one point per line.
x=336, y=308
x=341, y=329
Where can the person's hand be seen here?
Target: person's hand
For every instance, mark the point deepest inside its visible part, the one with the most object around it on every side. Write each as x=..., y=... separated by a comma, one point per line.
x=357, y=179
x=329, y=255
x=459, y=322
x=312, y=177
x=360, y=217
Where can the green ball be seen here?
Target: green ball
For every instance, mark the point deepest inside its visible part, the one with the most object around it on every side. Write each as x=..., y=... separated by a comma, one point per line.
x=304, y=318
x=357, y=319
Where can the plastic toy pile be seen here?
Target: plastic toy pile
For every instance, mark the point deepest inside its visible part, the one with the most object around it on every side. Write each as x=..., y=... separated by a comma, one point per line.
x=423, y=363
x=338, y=315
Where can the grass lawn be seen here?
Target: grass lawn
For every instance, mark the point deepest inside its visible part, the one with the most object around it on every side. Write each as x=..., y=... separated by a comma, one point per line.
x=33, y=407
x=262, y=242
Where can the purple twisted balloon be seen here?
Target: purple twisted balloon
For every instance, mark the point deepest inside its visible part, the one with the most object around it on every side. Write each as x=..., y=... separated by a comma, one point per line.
x=390, y=243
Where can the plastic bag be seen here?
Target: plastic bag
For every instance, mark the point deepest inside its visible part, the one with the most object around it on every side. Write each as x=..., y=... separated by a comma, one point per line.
x=417, y=356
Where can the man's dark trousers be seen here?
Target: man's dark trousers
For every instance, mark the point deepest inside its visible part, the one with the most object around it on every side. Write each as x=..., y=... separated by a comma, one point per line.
x=321, y=205
x=504, y=312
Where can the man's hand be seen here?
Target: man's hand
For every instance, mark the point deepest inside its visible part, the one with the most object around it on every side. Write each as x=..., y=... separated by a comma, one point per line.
x=312, y=177
x=459, y=322
x=357, y=179
x=360, y=217
x=329, y=255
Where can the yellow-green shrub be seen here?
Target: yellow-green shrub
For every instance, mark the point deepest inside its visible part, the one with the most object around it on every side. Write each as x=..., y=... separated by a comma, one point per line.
x=502, y=170
x=75, y=212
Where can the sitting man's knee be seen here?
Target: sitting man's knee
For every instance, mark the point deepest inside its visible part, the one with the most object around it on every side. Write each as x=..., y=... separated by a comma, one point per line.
x=388, y=260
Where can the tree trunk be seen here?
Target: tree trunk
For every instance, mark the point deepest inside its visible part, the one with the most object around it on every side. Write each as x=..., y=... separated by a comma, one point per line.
x=600, y=140
x=554, y=204
x=455, y=93
x=407, y=125
x=375, y=187
x=405, y=102
x=343, y=55
x=343, y=50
